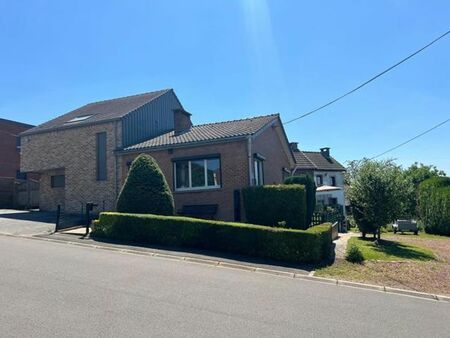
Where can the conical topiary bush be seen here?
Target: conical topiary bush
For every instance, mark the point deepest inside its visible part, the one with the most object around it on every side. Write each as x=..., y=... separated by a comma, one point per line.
x=145, y=190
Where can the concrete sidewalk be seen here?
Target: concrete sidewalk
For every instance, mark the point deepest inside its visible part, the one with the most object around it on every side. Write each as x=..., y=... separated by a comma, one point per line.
x=24, y=222
x=340, y=244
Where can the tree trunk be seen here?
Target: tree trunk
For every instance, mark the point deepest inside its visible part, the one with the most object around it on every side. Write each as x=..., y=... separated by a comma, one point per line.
x=379, y=233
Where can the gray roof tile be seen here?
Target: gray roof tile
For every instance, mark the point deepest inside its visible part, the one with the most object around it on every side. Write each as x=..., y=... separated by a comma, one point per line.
x=316, y=161
x=98, y=112
x=208, y=132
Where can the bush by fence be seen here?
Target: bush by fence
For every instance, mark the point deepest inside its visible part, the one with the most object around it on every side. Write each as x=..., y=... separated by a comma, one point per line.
x=274, y=205
x=310, y=186
x=292, y=245
x=434, y=205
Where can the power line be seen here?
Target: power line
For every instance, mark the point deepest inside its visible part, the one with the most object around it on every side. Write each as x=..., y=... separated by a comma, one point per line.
x=370, y=80
x=411, y=139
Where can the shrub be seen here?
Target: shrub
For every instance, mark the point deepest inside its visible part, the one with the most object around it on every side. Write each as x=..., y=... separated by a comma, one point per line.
x=145, y=189
x=310, y=187
x=434, y=205
x=272, y=204
x=354, y=254
x=292, y=245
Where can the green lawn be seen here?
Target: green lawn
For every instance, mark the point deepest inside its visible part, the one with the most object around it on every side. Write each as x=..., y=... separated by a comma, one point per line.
x=420, y=235
x=390, y=250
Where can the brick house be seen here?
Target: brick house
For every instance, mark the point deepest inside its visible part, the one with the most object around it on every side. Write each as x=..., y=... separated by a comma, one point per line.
x=328, y=174
x=84, y=155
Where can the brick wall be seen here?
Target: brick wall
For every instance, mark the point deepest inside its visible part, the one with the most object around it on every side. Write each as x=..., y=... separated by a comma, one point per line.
x=233, y=167
x=74, y=151
x=9, y=153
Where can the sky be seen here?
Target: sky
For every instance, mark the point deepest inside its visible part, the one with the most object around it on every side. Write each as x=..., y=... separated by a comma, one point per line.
x=230, y=59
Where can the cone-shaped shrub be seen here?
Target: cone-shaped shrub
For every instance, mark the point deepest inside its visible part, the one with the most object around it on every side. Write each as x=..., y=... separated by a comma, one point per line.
x=145, y=190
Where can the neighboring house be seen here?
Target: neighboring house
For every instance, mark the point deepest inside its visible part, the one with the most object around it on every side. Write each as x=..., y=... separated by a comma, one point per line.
x=84, y=155
x=10, y=147
x=327, y=172
x=10, y=160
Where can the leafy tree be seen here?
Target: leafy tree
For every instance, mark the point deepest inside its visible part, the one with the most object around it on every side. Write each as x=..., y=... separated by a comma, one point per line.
x=145, y=190
x=378, y=193
x=310, y=187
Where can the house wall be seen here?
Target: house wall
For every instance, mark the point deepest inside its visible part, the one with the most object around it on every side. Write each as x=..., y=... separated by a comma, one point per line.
x=152, y=119
x=9, y=152
x=269, y=144
x=327, y=177
x=234, y=170
x=74, y=152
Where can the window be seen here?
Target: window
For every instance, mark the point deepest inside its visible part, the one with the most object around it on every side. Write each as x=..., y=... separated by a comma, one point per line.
x=333, y=181
x=101, y=156
x=78, y=119
x=198, y=173
x=319, y=180
x=258, y=167
x=57, y=181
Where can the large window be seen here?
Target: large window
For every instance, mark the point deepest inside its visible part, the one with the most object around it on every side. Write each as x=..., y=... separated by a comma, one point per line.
x=319, y=180
x=101, y=156
x=198, y=173
x=57, y=181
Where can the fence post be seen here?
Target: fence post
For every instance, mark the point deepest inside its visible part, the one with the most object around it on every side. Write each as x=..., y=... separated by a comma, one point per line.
x=58, y=217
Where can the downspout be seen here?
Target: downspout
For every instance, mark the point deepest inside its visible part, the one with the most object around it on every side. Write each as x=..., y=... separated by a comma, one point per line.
x=250, y=162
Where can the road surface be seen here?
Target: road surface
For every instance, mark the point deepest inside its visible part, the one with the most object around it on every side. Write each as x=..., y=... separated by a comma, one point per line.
x=52, y=289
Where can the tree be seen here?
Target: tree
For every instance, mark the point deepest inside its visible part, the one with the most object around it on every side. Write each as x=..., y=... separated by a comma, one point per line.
x=418, y=173
x=378, y=193
x=145, y=190
x=310, y=187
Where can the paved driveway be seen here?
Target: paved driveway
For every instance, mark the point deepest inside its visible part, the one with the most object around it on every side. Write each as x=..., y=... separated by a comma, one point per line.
x=22, y=222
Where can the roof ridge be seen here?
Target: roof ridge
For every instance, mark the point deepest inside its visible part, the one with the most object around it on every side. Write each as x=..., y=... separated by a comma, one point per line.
x=237, y=120
x=162, y=91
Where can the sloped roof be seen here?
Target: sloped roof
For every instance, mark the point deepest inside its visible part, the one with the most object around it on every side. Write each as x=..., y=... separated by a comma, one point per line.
x=315, y=160
x=98, y=111
x=208, y=132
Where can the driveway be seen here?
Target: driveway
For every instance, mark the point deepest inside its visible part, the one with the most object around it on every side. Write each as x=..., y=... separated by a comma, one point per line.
x=22, y=222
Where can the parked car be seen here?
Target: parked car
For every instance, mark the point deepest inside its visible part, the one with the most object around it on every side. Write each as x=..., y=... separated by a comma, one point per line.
x=403, y=225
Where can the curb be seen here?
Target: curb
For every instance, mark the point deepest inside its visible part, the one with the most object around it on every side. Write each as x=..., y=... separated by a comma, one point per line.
x=250, y=268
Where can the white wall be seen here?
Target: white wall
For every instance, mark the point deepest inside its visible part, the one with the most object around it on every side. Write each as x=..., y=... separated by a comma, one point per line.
x=327, y=177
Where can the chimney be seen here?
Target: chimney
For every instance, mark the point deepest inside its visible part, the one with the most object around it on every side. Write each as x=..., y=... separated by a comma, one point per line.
x=182, y=121
x=325, y=152
x=293, y=146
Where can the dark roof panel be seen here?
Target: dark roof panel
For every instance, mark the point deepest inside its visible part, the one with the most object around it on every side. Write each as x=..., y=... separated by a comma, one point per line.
x=316, y=160
x=98, y=112
x=208, y=132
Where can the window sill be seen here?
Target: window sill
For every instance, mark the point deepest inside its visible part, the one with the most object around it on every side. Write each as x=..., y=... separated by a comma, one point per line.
x=196, y=190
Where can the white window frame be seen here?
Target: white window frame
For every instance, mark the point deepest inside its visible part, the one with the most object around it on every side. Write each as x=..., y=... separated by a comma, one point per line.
x=258, y=163
x=205, y=166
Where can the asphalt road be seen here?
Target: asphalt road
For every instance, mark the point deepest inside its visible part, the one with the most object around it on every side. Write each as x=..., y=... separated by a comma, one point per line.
x=51, y=289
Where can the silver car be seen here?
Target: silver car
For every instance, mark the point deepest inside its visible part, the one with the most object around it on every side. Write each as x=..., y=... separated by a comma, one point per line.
x=404, y=225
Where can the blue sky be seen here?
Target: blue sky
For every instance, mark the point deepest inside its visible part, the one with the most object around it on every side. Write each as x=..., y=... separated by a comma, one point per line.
x=233, y=59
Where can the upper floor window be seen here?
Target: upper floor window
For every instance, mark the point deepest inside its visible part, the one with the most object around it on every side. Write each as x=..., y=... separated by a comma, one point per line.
x=333, y=181
x=197, y=173
x=101, y=156
x=57, y=181
x=319, y=180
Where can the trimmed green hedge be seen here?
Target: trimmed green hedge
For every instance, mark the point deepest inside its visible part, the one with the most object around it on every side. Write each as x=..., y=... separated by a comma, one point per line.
x=292, y=245
x=273, y=205
x=434, y=205
x=310, y=186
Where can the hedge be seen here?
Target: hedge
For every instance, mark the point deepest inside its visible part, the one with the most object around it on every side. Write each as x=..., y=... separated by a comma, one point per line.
x=434, y=205
x=274, y=205
x=312, y=245
x=310, y=186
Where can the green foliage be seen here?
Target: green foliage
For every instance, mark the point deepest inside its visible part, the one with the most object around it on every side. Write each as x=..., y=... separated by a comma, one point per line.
x=145, y=189
x=292, y=245
x=310, y=186
x=378, y=193
x=434, y=205
x=272, y=204
x=354, y=254
x=416, y=174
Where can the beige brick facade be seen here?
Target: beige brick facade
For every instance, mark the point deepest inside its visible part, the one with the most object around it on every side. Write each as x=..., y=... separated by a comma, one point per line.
x=73, y=151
